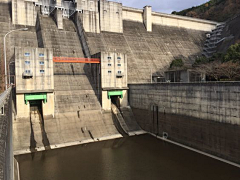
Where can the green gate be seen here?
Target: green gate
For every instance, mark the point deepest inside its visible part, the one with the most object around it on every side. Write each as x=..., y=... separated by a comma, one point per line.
x=115, y=93
x=33, y=97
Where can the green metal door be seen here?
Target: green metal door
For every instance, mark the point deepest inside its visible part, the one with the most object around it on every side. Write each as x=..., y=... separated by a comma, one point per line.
x=33, y=97
x=115, y=93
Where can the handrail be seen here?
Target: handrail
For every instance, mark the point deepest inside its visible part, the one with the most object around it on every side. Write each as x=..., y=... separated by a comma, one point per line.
x=76, y=60
x=4, y=96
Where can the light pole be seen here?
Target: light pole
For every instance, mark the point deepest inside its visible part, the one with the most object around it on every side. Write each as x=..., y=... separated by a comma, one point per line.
x=5, y=53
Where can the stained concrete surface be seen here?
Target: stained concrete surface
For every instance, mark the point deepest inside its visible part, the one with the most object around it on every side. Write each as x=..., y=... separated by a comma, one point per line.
x=219, y=139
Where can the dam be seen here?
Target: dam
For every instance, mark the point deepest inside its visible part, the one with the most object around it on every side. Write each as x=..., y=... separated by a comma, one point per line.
x=90, y=73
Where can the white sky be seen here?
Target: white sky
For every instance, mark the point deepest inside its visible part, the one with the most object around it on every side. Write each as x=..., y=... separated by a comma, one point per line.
x=164, y=6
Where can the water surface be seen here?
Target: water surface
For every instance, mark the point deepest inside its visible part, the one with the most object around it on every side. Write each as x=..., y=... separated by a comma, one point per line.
x=134, y=158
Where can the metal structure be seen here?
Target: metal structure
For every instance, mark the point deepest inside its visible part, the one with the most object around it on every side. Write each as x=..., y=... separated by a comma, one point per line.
x=5, y=53
x=76, y=60
x=115, y=93
x=34, y=97
x=4, y=96
x=48, y=6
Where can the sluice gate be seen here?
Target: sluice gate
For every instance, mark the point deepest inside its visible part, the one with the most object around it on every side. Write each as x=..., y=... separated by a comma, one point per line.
x=38, y=136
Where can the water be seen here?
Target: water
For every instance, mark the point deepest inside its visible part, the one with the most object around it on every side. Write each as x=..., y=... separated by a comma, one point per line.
x=133, y=158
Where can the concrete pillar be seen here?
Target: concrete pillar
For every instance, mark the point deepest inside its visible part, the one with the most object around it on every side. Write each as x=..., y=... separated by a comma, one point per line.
x=124, y=100
x=147, y=18
x=48, y=108
x=58, y=2
x=23, y=110
x=106, y=103
x=59, y=18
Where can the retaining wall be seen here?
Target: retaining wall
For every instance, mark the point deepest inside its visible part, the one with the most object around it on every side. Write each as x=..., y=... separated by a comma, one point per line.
x=6, y=152
x=205, y=116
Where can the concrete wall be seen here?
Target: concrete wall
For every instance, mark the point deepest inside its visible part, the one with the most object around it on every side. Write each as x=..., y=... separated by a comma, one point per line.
x=90, y=15
x=132, y=14
x=147, y=18
x=181, y=21
x=48, y=108
x=23, y=109
x=111, y=16
x=40, y=82
x=205, y=116
x=88, y=5
x=140, y=15
x=23, y=13
x=6, y=145
x=5, y=1
x=111, y=65
x=106, y=103
x=59, y=18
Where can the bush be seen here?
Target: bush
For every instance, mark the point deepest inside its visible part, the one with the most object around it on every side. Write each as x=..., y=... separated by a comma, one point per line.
x=233, y=54
x=201, y=60
x=176, y=63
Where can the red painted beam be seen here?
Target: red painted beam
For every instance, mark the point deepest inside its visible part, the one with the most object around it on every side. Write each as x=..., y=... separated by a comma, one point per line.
x=76, y=60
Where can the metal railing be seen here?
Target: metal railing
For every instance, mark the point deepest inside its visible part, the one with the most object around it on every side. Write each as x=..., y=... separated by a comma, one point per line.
x=6, y=149
x=76, y=60
x=4, y=95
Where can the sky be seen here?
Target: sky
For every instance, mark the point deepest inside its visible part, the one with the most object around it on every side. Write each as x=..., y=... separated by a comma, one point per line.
x=164, y=6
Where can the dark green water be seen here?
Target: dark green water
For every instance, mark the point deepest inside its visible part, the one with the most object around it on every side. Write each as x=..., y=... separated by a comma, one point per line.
x=134, y=158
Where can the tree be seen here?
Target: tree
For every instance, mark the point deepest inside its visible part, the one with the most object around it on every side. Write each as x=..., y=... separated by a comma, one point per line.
x=201, y=60
x=177, y=63
x=211, y=69
x=230, y=70
x=233, y=53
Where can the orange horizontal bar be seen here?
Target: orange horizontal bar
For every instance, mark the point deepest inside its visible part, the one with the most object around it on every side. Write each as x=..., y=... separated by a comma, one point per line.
x=75, y=60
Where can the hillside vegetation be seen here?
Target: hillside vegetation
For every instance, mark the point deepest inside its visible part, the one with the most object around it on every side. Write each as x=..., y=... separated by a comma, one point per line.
x=221, y=66
x=216, y=10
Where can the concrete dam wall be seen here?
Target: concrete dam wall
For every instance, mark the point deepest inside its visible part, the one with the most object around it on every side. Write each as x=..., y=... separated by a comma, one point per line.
x=149, y=52
x=76, y=115
x=203, y=116
x=66, y=103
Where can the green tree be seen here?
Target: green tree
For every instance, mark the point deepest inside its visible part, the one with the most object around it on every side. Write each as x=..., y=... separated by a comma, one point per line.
x=201, y=60
x=233, y=54
x=177, y=63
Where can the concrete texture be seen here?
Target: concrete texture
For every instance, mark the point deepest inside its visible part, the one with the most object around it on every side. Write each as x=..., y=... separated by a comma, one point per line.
x=150, y=40
x=77, y=107
x=23, y=109
x=113, y=70
x=33, y=60
x=65, y=43
x=140, y=15
x=147, y=20
x=36, y=60
x=58, y=16
x=81, y=33
x=149, y=51
x=126, y=120
x=111, y=16
x=203, y=116
x=90, y=15
x=19, y=38
x=6, y=146
x=23, y=13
